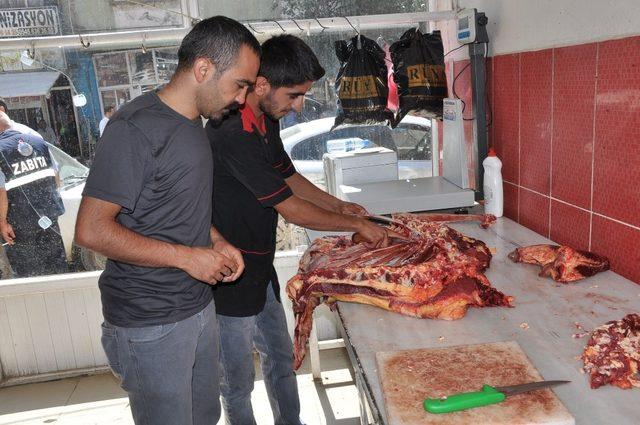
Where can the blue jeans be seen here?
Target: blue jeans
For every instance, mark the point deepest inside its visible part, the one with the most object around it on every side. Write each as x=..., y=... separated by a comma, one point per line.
x=169, y=371
x=267, y=331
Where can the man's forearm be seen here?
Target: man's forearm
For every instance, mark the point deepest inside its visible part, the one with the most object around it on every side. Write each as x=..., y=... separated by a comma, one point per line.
x=306, y=214
x=306, y=190
x=4, y=205
x=116, y=242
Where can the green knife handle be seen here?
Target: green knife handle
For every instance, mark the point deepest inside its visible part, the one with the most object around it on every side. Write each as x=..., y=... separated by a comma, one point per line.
x=463, y=401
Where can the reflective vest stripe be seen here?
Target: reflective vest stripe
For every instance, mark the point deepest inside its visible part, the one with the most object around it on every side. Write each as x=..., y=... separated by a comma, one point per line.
x=30, y=178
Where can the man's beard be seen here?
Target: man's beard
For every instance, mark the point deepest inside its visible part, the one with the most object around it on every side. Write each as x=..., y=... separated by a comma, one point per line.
x=224, y=113
x=273, y=113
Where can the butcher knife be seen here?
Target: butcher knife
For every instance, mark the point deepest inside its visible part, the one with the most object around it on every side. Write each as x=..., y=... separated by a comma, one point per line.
x=386, y=221
x=488, y=395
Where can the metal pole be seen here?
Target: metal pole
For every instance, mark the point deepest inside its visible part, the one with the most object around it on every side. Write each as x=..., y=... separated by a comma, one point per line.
x=477, y=52
x=262, y=30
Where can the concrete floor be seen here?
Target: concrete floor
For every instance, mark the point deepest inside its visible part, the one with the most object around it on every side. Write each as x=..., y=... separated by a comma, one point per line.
x=98, y=399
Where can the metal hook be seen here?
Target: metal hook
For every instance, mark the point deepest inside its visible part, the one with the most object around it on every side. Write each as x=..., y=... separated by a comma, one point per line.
x=32, y=52
x=295, y=22
x=278, y=24
x=253, y=29
x=144, y=48
x=84, y=44
x=354, y=28
x=321, y=26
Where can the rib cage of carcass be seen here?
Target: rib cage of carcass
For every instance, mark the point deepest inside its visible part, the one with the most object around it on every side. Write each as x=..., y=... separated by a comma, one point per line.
x=437, y=275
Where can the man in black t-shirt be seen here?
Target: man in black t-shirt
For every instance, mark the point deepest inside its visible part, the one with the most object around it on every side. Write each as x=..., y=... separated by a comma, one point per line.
x=254, y=180
x=147, y=207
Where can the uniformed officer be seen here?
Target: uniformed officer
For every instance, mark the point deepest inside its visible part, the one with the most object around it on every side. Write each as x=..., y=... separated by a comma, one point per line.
x=29, y=204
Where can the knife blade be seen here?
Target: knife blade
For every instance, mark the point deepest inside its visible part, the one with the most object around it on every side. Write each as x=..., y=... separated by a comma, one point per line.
x=525, y=388
x=386, y=221
x=488, y=395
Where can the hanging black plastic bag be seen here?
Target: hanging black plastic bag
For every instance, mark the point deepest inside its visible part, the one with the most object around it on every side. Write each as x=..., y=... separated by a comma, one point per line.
x=361, y=83
x=418, y=62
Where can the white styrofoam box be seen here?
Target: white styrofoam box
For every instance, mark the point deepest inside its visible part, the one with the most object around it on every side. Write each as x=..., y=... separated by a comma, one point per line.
x=364, y=157
x=361, y=166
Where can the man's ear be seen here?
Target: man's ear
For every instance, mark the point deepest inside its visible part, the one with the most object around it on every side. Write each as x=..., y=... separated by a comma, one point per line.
x=262, y=86
x=203, y=69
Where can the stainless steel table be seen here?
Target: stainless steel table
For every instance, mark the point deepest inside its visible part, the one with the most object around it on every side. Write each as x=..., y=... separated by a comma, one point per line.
x=548, y=308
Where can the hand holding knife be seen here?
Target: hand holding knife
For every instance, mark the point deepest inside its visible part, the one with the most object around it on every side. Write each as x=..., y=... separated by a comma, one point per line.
x=386, y=222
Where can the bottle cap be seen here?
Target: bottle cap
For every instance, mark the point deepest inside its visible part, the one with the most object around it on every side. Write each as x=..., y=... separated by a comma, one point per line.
x=492, y=152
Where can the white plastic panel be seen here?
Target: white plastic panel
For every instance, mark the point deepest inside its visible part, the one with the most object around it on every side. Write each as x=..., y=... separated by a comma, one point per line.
x=454, y=162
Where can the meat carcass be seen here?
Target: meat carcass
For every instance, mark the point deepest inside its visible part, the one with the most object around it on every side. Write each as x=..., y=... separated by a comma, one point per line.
x=438, y=274
x=612, y=355
x=561, y=263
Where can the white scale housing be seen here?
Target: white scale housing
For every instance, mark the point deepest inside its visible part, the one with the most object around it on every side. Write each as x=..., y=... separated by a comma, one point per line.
x=369, y=177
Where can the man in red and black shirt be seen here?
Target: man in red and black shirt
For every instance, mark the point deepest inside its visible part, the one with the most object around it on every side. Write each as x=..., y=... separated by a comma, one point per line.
x=254, y=181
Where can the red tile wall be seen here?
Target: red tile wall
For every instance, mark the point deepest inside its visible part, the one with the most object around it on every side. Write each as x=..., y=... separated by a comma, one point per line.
x=619, y=243
x=535, y=120
x=570, y=225
x=511, y=200
x=617, y=144
x=506, y=114
x=573, y=108
x=566, y=125
x=536, y=217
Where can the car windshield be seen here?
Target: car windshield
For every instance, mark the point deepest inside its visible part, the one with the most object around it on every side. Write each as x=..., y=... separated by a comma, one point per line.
x=70, y=170
x=410, y=141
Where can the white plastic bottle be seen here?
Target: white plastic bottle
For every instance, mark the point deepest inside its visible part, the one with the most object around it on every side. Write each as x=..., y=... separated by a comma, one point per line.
x=493, y=196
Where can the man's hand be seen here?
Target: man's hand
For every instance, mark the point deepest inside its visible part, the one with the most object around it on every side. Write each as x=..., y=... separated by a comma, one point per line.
x=351, y=208
x=7, y=232
x=225, y=248
x=208, y=265
x=372, y=235
x=375, y=236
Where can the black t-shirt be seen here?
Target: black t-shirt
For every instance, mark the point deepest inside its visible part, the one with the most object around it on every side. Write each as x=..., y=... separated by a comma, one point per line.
x=157, y=165
x=250, y=168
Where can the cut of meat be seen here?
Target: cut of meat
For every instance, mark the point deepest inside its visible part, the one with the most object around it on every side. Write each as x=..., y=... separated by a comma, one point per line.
x=437, y=275
x=485, y=220
x=561, y=263
x=612, y=354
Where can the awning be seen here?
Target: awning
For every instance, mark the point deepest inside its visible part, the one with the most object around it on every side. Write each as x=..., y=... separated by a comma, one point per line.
x=27, y=83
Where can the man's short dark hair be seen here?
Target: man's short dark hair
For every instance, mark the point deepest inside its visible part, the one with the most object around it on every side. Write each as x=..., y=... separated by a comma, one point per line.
x=4, y=105
x=218, y=39
x=288, y=61
x=108, y=108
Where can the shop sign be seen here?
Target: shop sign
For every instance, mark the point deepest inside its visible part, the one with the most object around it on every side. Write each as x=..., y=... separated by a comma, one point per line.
x=29, y=22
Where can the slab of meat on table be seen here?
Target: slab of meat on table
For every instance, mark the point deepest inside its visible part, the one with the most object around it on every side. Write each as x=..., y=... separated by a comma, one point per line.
x=438, y=274
x=561, y=263
x=612, y=355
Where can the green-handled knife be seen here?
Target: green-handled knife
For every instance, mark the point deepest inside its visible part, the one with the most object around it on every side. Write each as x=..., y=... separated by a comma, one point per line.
x=488, y=395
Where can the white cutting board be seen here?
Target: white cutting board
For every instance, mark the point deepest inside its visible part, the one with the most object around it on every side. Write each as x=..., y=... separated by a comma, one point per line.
x=408, y=377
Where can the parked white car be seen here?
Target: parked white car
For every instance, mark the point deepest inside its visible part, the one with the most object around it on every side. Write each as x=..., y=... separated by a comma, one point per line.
x=306, y=143
x=72, y=179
